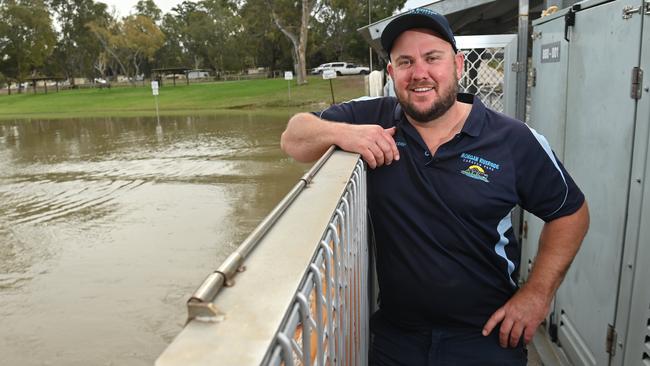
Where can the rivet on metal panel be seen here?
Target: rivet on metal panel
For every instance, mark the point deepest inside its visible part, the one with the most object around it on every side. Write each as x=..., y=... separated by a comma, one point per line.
x=229, y=283
x=241, y=269
x=536, y=35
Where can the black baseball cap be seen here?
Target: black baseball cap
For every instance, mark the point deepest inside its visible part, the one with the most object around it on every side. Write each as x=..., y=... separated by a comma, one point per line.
x=417, y=18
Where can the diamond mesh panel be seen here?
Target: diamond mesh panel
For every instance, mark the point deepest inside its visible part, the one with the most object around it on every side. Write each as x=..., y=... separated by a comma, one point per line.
x=483, y=75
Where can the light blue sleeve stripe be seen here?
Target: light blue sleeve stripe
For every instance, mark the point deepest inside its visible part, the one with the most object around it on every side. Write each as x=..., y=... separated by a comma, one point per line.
x=500, y=248
x=547, y=148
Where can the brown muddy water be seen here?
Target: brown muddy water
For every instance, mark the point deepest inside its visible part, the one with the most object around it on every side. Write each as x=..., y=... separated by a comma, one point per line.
x=108, y=225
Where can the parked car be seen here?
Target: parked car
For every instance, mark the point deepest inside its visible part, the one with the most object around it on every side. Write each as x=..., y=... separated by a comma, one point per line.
x=341, y=68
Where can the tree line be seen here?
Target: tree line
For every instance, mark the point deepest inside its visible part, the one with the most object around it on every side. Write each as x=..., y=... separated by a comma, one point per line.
x=84, y=38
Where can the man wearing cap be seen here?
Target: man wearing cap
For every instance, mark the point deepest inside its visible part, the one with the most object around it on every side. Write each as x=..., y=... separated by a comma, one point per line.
x=445, y=174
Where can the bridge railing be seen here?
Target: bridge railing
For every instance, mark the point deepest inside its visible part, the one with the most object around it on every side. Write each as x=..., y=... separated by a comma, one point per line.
x=298, y=294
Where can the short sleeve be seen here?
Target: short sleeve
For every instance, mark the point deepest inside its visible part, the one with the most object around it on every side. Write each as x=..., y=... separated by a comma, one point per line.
x=380, y=111
x=544, y=186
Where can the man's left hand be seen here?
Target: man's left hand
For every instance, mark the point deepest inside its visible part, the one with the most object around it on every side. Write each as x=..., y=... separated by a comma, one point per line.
x=521, y=315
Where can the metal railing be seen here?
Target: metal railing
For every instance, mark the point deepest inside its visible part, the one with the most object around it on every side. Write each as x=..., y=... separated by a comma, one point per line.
x=297, y=293
x=330, y=310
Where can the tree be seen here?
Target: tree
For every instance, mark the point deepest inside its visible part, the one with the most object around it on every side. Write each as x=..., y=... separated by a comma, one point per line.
x=77, y=50
x=148, y=8
x=283, y=12
x=26, y=37
x=129, y=42
x=202, y=34
x=261, y=39
x=342, y=18
x=141, y=39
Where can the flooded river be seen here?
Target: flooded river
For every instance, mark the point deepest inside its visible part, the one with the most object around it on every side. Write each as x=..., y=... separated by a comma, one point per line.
x=107, y=226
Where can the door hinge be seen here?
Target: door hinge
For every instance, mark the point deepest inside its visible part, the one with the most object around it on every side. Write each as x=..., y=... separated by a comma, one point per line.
x=637, y=83
x=611, y=340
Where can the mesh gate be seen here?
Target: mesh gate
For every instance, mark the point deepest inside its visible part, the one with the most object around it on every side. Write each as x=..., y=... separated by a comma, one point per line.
x=484, y=74
x=488, y=70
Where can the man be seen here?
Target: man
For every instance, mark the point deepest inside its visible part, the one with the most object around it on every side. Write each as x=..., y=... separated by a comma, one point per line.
x=445, y=174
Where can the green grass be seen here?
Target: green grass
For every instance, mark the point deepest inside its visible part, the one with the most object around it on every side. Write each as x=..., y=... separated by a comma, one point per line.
x=268, y=95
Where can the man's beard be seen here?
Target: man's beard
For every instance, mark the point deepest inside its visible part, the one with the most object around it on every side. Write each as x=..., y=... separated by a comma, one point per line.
x=437, y=109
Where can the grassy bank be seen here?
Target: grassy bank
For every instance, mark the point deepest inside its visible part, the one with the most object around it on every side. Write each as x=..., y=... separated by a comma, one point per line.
x=269, y=95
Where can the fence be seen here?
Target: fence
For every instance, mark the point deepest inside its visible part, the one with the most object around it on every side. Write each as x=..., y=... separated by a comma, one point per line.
x=301, y=296
x=330, y=310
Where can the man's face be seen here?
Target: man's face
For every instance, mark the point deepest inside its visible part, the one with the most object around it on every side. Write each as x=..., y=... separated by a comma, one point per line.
x=425, y=72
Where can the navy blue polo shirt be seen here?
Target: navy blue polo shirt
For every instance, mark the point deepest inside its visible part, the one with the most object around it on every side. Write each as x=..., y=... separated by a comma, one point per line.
x=446, y=251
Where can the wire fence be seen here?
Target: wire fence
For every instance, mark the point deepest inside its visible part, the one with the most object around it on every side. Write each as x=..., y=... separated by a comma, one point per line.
x=484, y=74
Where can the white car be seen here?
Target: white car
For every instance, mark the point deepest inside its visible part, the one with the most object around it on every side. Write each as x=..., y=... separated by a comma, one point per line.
x=341, y=68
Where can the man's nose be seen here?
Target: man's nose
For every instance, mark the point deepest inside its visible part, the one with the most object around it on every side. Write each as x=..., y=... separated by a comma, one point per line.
x=420, y=70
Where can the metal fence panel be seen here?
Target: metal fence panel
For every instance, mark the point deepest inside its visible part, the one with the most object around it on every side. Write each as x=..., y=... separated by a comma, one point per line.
x=328, y=321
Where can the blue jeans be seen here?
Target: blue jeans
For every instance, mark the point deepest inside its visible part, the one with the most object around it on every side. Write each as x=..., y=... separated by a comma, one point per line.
x=391, y=346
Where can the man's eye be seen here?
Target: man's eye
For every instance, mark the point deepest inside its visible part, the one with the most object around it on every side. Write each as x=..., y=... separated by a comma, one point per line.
x=404, y=63
x=432, y=59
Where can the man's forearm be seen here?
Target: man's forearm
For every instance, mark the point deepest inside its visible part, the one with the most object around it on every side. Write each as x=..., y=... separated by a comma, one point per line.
x=558, y=244
x=307, y=137
x=522, y=314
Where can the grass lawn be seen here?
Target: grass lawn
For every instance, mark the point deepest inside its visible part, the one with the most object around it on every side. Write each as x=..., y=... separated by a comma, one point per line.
x=268, y=95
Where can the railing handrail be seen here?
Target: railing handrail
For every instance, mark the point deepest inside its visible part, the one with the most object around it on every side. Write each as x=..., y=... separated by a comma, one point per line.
x=247, y=324
x=200, y=303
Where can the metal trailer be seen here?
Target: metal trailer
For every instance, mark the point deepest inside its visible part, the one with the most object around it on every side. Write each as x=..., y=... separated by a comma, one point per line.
x=589, y=99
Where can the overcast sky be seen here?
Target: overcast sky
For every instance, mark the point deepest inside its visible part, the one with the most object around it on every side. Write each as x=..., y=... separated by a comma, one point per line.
x=124, y=7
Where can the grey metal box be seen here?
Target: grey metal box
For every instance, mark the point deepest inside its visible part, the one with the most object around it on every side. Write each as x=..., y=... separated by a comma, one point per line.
x=584, y=104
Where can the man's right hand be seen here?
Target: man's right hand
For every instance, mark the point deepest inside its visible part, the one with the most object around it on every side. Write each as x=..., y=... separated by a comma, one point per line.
x=307, y=137
x=374, y=143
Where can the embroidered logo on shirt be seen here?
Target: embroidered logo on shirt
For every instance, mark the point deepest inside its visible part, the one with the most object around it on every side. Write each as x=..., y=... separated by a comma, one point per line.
x=475, y=172
x=478, y=167
x=400, y=143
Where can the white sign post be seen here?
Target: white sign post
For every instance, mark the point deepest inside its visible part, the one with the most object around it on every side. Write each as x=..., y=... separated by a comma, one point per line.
x=288, y=76
x=329, y=75
x=154, y=90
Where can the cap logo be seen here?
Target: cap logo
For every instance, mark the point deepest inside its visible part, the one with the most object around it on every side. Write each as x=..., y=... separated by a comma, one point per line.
x=424, y=11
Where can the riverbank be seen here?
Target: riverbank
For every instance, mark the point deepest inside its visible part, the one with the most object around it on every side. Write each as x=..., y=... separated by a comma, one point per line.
x=268, y=95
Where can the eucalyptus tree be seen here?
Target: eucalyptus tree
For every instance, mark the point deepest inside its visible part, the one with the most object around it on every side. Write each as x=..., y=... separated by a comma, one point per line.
x=140, y=40
x=340, y=20
x=27, y=37
x=332, y=23
x=292, y=17
x=150, y=9
x=77, y=51
x=202, y=35
x=261, y=39
x=128, y=42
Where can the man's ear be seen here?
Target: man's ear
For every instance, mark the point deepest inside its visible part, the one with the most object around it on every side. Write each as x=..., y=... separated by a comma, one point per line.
x=459, y=59
x=390, y=70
